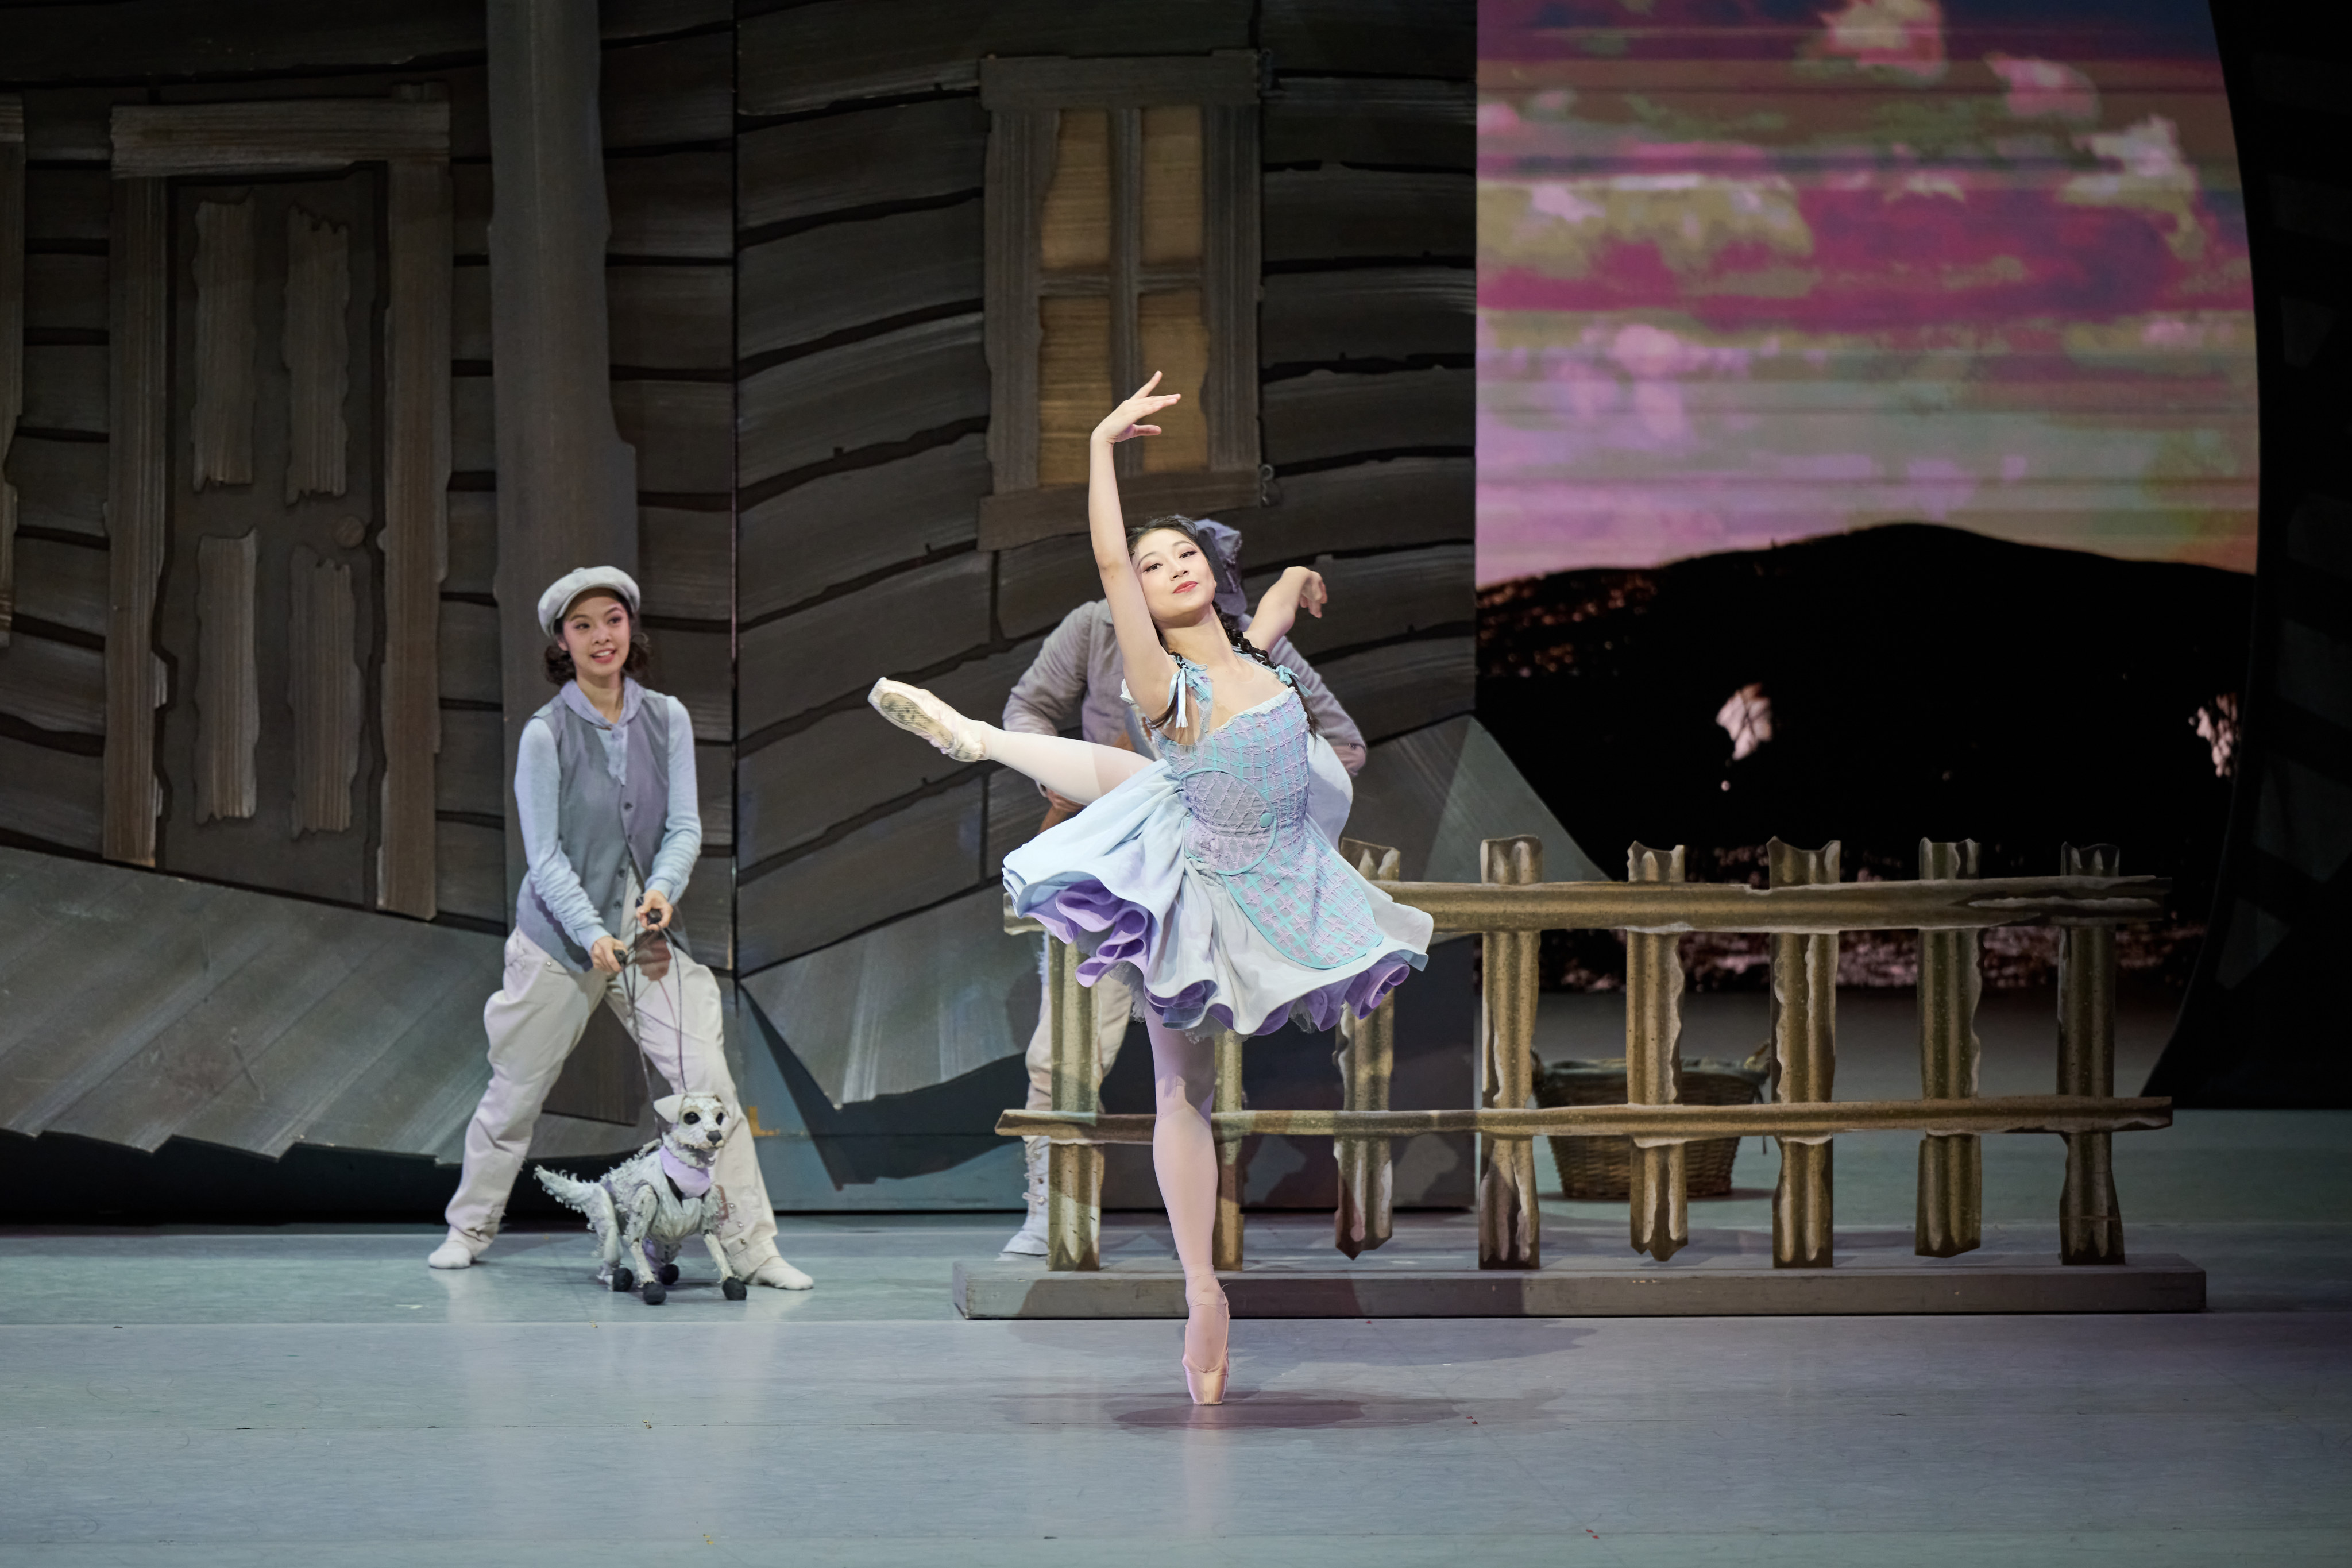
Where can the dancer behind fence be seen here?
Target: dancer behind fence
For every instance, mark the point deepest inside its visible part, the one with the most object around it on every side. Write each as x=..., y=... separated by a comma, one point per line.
x=1201, y=874
x=1076, y=677
x=604, y=785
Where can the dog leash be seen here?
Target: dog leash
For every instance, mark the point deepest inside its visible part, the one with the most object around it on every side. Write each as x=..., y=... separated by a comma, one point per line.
x=642, y=945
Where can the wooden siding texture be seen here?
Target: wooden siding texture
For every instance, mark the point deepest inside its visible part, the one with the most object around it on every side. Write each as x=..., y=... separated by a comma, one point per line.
x=794, y=287
x=53, y=685
x=1367, y=340
x=928, y=851
x=805, y=169
x=862, y=388
x=240, y=1018
x=815, y=537
x=839, y=51
x=63, y=582
x=52, y=693
x=686, y=562
x=906, y=623
x=876, y=391
x=669, y=318
x=842, y=276
x=669, y=129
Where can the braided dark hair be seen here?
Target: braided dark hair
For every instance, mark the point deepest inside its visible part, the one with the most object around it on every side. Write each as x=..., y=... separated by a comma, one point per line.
x=1176, y=522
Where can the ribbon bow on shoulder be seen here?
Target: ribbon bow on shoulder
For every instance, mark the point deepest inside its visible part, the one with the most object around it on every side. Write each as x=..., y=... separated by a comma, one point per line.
x=1186, y=673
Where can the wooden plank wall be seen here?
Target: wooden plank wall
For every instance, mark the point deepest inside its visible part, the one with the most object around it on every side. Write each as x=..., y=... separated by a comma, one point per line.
x=862, y=411
x=863, y=397
x=668, y=88
x=794, y=285
x=669, y=110
x=666, y=100
x=1365, y=340
x=52, y=674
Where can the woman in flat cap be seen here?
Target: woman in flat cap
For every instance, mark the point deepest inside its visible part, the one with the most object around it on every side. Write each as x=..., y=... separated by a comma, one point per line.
x=604, y=786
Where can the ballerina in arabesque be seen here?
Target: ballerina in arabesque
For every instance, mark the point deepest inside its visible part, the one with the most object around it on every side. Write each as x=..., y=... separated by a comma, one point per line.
x=1203, y=876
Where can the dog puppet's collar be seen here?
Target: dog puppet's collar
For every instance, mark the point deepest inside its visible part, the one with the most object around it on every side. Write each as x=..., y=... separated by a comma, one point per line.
x=688, y=1180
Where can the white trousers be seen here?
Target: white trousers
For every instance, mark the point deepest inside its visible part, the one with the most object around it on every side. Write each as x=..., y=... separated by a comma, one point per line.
x=534, y=1022
x=1113, y=1002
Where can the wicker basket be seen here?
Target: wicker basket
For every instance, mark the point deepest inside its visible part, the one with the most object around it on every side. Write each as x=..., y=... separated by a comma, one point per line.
x=1601, y=1167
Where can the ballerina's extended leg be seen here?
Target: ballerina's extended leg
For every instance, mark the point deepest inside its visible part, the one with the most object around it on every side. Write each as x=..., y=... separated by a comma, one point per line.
x=1184, y=1157
x=1079, y=768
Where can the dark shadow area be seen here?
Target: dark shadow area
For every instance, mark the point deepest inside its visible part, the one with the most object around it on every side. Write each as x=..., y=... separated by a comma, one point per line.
x=2263, y=1023
x=57, y=1179
x=1244, y=1410
x=1922, y=681
x=898, y=1135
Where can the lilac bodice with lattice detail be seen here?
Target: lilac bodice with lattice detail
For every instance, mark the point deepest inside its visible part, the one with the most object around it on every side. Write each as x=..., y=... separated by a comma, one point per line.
x=1245, y=790
x=1207, y=875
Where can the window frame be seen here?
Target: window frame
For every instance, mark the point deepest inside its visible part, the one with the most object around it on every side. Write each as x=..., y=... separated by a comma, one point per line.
x=1026, y=97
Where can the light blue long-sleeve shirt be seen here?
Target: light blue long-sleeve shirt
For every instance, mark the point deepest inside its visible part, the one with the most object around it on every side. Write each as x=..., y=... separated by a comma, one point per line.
x=538, y=786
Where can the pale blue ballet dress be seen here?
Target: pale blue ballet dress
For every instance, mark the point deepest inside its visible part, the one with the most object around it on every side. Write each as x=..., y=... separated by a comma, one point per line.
x=1212, y=877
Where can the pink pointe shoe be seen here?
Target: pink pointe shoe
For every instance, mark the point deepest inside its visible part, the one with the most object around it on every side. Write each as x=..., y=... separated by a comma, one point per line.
x=1208, y=1388
x=918, y=712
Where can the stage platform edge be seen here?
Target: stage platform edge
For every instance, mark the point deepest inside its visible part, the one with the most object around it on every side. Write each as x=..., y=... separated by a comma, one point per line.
x=1741, y=1286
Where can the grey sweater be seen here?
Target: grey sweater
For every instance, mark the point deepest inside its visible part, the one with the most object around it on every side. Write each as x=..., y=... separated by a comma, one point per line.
x=1077, y=671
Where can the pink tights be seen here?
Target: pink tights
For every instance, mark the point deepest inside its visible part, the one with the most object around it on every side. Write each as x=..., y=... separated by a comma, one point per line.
x=1184, y=1157
x=1078, y=769
x=1183, y=1070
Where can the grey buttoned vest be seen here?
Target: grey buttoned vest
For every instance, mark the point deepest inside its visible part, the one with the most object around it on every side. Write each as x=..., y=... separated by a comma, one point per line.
x=607, y=829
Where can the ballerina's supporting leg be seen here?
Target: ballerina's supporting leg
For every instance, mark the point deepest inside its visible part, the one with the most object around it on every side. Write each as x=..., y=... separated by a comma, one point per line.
x=1079, y=768
x=1184, y=1157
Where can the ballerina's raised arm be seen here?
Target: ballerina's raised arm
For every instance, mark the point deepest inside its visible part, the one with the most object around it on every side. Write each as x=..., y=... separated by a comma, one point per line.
x=1147, y=666
x=1298, y=588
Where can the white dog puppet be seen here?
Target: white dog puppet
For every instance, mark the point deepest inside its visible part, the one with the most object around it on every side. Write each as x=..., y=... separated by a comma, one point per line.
x=647, y=1207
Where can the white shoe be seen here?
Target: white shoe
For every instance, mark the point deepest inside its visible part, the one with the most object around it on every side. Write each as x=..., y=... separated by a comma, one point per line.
x=916, y=710
x=779, y=1275
x=455, y=1252
x=1029, y=1241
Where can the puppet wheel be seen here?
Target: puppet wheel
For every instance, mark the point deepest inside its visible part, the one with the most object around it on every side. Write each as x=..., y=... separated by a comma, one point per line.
x=669, y=1273
x=622, y=1282
x=734, y=1290
x=654, y=1293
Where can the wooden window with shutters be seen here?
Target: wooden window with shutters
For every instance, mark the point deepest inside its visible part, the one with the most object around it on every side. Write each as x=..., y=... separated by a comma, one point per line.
x=1122, y=222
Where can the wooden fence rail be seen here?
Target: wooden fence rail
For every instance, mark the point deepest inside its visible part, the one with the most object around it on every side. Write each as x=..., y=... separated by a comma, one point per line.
x=1650, y=1126
x=1803, y=909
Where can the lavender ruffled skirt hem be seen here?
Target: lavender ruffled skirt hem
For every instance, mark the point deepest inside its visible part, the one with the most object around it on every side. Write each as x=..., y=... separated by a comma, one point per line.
x=1115, y=882
x=1113, y=932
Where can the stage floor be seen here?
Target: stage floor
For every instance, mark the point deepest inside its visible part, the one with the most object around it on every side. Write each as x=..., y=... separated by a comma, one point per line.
x=317, y=1396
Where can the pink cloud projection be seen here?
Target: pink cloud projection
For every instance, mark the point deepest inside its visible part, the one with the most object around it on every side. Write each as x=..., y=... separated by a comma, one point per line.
x=2044, y=89
x=1755, y=273
x=1906, y=35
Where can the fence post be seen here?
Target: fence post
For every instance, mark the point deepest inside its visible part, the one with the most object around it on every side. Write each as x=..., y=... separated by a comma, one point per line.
x=2090, y=1222
x=1073, y=1171
x=1951, y=1170
x=1804, y=1049
x=1225, y=1242
x=1510, y=1225
x=1660, y=1190
x=1365, y=1054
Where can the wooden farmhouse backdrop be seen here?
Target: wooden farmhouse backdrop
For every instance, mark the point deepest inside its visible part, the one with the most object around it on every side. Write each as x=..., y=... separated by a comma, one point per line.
x=803, y=199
